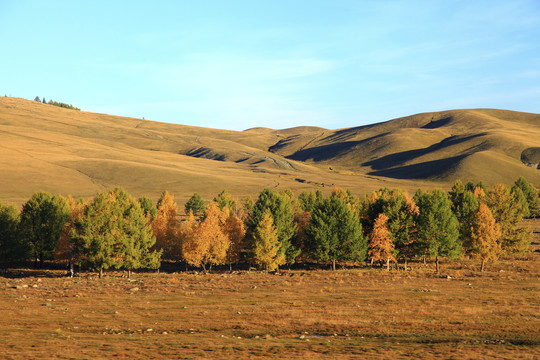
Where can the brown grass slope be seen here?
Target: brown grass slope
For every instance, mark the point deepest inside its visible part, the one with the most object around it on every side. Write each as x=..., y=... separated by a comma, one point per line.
x=482, y=144
x=48, y=148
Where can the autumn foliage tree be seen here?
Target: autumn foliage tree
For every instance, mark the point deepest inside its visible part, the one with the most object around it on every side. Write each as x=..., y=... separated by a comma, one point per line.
x=66, y=248
x=485, y=234
x=234, y=229
x=165, y=227
x=266, y=252
x=208, y=244
x=381, y=246
x=508, y=212
x=401, y=210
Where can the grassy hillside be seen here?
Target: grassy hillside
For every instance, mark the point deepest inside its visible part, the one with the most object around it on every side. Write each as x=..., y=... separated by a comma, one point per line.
x=59, y=150
x=493, y=145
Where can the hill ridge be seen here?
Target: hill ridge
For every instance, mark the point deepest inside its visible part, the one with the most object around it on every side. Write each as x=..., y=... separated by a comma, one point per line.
x=61, y=150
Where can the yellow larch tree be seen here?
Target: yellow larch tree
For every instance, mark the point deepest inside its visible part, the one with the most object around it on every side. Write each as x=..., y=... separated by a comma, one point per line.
x=234, y=229
x=165, y=227
x=265, y=252
x=485, y=235
x=381, y=245
x=208, y=244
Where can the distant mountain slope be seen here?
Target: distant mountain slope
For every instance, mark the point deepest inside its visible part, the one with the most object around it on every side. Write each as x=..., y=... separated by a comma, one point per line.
x=482, y=143
x=44, y=147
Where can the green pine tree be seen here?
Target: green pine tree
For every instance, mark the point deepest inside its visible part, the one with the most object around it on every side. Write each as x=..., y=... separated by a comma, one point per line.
x=224, y=199
x=438, y=228
x=42, y=219
x=12, y=248
x=533, y=200
x=195, y=204
x=149, y=209
x=281, y=209
x=114, y=233
x=464, y=205
x=335, y=233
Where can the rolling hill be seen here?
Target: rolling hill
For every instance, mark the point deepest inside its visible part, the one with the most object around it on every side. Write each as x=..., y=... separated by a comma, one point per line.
x=48, y=148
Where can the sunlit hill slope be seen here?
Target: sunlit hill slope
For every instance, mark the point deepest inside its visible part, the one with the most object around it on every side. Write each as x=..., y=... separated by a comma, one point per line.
x=48, y=148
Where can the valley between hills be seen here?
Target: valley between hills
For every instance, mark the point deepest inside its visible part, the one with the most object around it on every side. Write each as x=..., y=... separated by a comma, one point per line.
x=47, y=148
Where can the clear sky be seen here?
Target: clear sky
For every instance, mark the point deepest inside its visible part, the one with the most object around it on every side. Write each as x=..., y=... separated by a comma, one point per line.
x=235, y=64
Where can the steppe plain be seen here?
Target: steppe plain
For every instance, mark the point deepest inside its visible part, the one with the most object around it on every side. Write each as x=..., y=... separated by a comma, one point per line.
x=354, y=312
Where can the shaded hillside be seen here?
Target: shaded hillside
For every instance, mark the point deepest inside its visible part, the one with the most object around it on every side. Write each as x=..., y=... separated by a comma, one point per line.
x=494, y=145
x=58, y=150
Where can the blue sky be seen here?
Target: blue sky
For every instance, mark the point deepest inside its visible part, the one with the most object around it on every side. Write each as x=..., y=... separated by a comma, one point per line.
x=238, y=64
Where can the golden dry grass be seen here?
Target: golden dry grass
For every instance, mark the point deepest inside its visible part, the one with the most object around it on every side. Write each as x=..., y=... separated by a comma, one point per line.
x=63, y=151
x=357, y=313
x=46, y=148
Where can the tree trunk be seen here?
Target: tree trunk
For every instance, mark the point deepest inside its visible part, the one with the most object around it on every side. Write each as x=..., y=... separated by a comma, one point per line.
x=334, y=264
x=371, y=261
x=425, y=260
x=129, y=273
x=405, y=268
x=483, y=263
x=71, y=271
x=101, y=272
x=204, y=268
x=437, y=264
x=230, y=267
x=388, y=264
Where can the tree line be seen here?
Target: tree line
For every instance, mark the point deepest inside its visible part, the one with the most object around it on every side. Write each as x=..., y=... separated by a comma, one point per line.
x=116, y=231
x=56, y=103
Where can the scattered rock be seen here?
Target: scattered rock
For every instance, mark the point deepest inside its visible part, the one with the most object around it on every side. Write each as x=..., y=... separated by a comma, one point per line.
x=134, y=289
x=149, y=330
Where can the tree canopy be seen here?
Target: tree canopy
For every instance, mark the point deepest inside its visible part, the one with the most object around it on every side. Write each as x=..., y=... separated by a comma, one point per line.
x=335, y=233
x=42, y=219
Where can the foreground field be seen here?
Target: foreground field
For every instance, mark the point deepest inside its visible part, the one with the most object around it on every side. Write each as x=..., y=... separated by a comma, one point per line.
x=357, y=313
